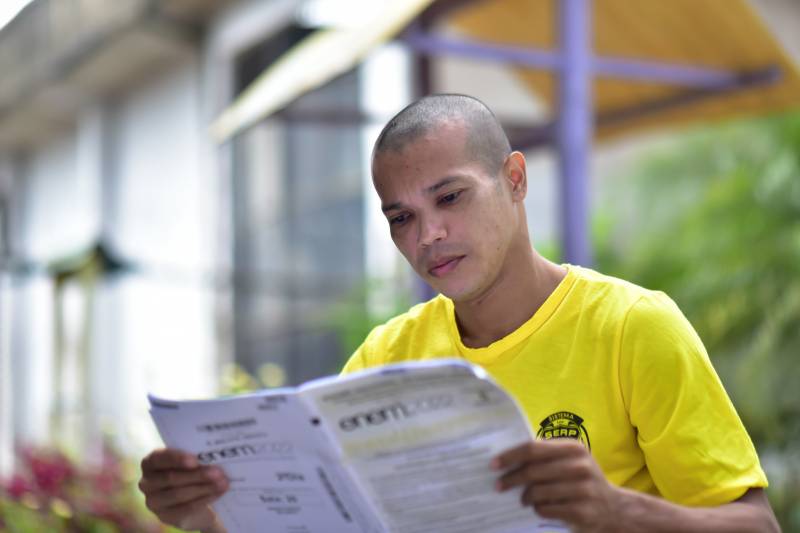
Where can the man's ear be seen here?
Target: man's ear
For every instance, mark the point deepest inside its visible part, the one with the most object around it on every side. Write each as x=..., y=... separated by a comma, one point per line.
x=516, y=175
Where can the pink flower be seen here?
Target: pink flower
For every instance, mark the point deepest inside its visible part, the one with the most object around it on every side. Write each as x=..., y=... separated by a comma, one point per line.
x=17, y=487
x=49, y=471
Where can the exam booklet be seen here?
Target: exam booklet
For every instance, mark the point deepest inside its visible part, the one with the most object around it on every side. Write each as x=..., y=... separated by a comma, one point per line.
x=403, y=448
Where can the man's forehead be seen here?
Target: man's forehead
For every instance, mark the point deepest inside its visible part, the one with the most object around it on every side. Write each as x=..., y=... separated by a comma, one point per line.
x=423, y=163
x=421, y=170
x=446, y=143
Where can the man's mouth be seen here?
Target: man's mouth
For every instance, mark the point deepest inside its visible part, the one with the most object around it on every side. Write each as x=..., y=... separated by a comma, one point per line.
x=445, y=265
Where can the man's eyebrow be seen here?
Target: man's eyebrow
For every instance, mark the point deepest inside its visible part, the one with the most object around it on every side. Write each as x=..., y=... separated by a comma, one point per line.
x=441, y=183
x=429, y=190
x=396, y=205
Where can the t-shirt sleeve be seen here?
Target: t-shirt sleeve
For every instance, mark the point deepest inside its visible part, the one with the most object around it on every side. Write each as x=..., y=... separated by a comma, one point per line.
x=696, y=447
x=356, y=361
x=364, y=356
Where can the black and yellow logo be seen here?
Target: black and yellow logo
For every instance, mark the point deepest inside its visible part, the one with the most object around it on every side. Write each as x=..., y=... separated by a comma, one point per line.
x=563, y=425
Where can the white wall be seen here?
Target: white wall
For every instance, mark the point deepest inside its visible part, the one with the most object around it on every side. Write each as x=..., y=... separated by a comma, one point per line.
x=31, y=348
x=6, y=310
x=164, y=224
x=162, y=215
x=153, y=326
x=60, y=211
x=58, y=217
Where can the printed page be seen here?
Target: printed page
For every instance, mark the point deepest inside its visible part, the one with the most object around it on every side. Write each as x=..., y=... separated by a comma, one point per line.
x=419, y=438
x=283, y=477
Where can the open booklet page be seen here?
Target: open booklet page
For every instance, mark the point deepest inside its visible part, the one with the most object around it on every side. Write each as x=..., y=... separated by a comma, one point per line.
x=283, y=474
x=419, y=438
x=404, y=448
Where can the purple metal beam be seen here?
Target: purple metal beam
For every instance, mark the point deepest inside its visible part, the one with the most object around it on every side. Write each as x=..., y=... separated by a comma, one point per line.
x=537, y=58
x=665, y=73
x=746, y=80
x=526, y=136
x=574, y=133
x=424, y=43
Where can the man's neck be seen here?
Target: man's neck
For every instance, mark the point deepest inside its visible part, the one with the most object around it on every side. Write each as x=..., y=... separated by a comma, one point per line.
x=513, y=299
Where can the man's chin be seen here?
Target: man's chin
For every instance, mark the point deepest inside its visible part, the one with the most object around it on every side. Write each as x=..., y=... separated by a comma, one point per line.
x=454, y=285
x=455, y=291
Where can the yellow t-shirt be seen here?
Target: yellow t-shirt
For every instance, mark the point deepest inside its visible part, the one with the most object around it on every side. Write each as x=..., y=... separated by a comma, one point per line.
x=612, y=364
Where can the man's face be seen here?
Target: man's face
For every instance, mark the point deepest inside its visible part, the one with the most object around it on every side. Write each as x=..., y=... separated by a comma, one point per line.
x=448, y=215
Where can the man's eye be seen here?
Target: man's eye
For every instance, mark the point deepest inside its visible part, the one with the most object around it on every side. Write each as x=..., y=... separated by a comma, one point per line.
x=450, y=197
x=399, y=219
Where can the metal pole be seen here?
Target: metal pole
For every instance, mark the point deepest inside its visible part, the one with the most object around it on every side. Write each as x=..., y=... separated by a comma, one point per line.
x=575, y=128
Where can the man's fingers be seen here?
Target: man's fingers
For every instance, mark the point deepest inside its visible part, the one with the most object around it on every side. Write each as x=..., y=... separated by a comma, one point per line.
x=192, y=515
x=537, y=451
x=555, y=493
x=164, y=479
x=171, y=498
x=168, y=459
x=514, y=456
x=554, y=501
x=178, y=489
x=545, y=472
x=557, y=511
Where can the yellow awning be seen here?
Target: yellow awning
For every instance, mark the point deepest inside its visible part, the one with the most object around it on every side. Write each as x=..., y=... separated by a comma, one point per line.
x=719, y=34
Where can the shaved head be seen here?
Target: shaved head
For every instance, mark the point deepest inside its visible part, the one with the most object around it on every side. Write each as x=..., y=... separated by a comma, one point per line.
x=486, y=141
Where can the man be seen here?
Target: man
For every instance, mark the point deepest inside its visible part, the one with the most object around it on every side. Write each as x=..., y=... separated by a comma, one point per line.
x=635, y=430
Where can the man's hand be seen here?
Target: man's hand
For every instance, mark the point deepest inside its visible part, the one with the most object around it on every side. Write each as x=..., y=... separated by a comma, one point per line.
x=179, y=490
x=562, y=481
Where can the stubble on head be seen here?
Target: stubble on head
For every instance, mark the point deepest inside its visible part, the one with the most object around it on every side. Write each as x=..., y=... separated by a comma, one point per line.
x=484, y=140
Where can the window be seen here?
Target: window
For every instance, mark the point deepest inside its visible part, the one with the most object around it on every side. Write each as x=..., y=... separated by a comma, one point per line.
x=298, y=223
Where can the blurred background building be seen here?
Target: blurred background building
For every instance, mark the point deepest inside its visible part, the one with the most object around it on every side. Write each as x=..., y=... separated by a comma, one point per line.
x=137, y=255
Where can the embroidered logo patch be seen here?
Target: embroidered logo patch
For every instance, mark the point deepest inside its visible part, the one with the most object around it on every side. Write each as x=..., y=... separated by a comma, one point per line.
x=563, y=425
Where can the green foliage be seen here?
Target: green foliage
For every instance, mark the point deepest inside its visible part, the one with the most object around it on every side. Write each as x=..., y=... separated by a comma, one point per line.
x=716, y=225
x=353, y=320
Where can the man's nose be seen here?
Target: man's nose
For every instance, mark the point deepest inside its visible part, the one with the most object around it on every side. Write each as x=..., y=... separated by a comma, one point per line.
x=431, y=229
